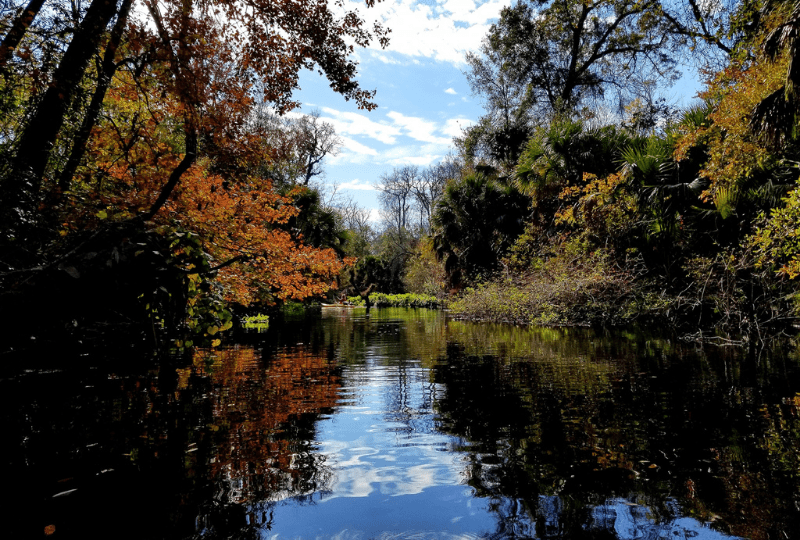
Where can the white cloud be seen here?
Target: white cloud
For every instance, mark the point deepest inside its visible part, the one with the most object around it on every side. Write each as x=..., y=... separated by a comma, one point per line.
x=351, y=145
x=356, y=184
x=450, y=91
x=352, y=151
x=443, y=32
x=421, y=161
x=396, y=156
x=455, y=126
x=347, y=123
x=417, y=128
x=467, y=12
x=413, y=155
x=385, y=59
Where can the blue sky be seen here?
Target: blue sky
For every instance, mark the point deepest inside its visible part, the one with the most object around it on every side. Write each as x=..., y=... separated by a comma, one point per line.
x=422, y=94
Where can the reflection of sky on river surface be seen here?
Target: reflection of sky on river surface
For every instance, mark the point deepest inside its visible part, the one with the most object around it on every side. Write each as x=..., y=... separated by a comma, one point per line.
x=397, y=476
x=630, y=521
x=393, y=472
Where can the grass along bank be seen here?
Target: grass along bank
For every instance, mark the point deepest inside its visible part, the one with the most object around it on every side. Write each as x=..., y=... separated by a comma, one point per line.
x=409, y=300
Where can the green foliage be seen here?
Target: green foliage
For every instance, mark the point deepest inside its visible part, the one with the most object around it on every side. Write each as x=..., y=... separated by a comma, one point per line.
x=317, y=224
x=475, y=222
x=560, y=156
x=495, y=142
x=424, y=273
x=259, y=322
x=407, y=300
x=653, y=217
x=557, y=56
x=206, y=313
x=293, y=309
x=574, y=287
x=383, y=275
x=733, y=295
x=663, y=195
x=777, y=240
x=549, y=157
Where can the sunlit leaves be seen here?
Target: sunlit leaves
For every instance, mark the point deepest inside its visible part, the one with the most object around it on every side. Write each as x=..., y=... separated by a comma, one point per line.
x=777, y=241
x=735, y=153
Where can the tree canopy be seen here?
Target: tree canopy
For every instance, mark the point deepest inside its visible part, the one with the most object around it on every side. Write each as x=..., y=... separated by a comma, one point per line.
x=152, y=149
x=544, y=58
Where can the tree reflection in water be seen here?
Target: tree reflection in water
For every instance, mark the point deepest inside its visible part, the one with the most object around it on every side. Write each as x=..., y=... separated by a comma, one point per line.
x=263, y=417
x=205, y=449
x=553, y=433
x=635, y=445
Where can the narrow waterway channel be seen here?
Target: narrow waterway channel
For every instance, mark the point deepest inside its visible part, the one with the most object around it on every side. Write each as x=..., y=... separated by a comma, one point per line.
x=403, y=424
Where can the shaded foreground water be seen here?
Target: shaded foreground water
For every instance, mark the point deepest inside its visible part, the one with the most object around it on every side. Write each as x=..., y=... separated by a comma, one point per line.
x=406, y=425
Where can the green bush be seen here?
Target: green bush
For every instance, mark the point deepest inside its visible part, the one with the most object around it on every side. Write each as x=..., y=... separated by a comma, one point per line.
x=566, y=290
x=408, y=300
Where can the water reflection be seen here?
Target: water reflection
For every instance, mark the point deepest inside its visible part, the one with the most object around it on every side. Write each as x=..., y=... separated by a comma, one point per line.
x=676, y=434
x=405, y=425
x=628, y=521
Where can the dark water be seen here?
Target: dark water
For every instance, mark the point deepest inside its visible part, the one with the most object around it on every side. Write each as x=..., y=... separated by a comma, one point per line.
x=405, y=425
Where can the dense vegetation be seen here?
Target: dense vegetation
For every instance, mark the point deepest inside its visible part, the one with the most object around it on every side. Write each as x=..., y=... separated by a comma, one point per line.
x=149, y=179
x=581, y=197
x=145, y=179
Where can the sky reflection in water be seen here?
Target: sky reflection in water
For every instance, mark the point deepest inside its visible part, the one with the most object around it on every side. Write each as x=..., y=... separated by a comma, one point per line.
x=393, y=473
x=407, y=425
x=397, y=475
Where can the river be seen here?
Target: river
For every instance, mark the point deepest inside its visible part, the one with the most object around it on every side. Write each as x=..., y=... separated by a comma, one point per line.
x=404, y=424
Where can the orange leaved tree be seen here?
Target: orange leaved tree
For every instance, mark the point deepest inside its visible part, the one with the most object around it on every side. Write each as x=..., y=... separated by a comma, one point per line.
x=137, y=176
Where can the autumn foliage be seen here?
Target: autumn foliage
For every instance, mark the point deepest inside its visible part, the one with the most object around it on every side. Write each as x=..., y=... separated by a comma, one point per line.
x=150, y=161
x=252, y=449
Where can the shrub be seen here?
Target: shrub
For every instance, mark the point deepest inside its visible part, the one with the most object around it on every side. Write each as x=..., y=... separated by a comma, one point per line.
x=408, y=300
x=569, y=288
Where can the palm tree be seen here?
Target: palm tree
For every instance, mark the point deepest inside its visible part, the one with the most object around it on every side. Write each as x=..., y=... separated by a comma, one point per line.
x=475, y=222
x=560, y=154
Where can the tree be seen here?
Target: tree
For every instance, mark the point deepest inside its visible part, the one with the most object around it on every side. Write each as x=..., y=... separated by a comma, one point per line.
x=22, y=186
x=543, y=58
x=475, y=222
x=160, y=183
x=397, y=205
x=272, y=42
x=356, y=222
x=300, y=145
x=506, y=125
x=17, y=30
x=559, y=156
x=318, y=140
x=708, y=29
x=745, y=170
x=775, y=116
x=429, y=187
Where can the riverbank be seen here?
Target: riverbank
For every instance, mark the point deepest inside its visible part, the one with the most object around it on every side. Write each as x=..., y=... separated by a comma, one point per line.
x=711, y=297
x=407, y=300
x=584, y=297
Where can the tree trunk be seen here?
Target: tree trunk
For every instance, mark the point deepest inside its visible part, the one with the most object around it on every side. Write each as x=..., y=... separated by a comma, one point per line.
x=108, y=69
x=188, y=159
x=22, y=187
x=17, y=31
